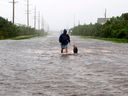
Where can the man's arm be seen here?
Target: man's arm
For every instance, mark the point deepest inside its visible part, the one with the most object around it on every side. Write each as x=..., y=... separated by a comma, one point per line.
x=68, y=38
x=60, y=39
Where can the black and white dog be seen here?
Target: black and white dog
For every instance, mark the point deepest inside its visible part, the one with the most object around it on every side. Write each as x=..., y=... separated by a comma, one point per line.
x=75, y=49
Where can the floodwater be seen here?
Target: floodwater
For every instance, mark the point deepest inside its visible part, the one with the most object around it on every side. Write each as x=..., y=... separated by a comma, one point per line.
x=35, y=67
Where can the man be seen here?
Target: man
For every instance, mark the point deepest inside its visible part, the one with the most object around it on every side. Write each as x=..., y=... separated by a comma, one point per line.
x=64, y=39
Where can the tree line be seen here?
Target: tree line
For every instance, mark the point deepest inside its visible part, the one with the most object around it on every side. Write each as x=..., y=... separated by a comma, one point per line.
x=116, y=27
x=10, y=30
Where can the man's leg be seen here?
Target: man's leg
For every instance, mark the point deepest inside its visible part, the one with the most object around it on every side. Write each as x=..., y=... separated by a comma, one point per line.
x=61, y=50
x=66, y=50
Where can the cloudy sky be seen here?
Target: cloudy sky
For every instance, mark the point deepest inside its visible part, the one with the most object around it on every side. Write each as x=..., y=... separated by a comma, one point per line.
x=60, y=14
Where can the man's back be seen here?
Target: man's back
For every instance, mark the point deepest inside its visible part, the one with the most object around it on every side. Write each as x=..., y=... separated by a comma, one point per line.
x=64, y=39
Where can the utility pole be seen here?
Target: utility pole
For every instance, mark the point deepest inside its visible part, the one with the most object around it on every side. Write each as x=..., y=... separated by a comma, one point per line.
x=105, y=13
x=48, y=28
x=42, y=23
x=13, y=11
x=28, y=13
x=35, y=18
x=39, y=20
x=79, y=22
x=74, y=20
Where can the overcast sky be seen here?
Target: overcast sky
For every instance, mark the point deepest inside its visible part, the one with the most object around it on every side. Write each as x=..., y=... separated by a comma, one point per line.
x=60, y=14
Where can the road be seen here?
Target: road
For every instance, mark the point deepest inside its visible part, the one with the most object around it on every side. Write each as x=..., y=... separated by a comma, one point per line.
x=35, y=67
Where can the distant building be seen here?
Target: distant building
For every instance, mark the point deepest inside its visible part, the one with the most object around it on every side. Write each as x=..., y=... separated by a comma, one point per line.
x=102, y=20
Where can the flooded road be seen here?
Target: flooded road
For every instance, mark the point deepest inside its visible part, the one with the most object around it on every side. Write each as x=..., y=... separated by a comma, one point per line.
x=35, y=67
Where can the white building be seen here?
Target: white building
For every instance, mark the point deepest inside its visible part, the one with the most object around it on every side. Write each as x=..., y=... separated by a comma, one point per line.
x=102, y=20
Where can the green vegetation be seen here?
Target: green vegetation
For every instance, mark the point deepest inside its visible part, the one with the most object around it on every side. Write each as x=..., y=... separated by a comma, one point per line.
x=10, y=30
x=116, y=40
x=116, y=29
x=23, y=37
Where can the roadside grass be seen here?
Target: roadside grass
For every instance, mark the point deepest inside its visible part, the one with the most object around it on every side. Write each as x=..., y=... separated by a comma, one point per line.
x=23, y=37
x=116, y=40
x=27, y=36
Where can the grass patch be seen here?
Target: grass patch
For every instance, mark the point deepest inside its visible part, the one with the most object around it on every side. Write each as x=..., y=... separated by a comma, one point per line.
x=24, y=37
x=116, y=40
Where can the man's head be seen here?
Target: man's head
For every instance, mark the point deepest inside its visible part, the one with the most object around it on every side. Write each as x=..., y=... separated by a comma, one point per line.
x=65, y=31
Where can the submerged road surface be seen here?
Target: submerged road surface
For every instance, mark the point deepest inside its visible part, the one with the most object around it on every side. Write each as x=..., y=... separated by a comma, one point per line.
x=35, y=67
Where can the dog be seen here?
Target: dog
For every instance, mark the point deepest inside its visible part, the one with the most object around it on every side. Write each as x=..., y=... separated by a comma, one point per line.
x=75, y=49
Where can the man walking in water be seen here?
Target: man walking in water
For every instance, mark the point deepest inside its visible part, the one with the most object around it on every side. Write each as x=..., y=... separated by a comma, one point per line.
x=64, y=39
